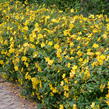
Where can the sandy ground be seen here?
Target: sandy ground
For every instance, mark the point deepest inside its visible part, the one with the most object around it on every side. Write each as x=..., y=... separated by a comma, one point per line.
x=10, y=97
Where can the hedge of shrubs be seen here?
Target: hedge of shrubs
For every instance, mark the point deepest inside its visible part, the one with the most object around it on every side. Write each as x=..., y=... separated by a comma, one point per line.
x=84, y=6
x=60, y=59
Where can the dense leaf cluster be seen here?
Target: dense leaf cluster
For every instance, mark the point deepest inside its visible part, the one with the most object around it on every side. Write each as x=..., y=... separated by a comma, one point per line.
x=84, y=6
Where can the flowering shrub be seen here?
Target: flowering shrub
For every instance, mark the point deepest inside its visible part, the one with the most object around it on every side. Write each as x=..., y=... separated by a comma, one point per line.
x=62, y=59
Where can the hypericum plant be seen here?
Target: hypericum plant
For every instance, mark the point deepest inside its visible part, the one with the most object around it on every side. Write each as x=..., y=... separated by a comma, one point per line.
x=60, y=59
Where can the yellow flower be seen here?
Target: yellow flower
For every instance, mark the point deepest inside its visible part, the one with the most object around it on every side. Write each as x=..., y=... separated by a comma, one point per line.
x=26, y=2
x=24, y=58
x=25, y=63
x=105, y=36
x=38, y=67
x=75, y=81
x=66, y=94
x=31, y=39
x=72, y=74
x=107, y=96
x=11, y=50
x=51, y=93
x=74, y=67
x=54, y=90
x=74, y=36
x=63, y=76
x=100, y=62
x=71, y=44
x=35, y=82
x=71, y=26
x=68, y=65
x=95, y=30
x=56, y=46
x=54, y=20
x=50, y=43
x=92, y=16
x=35, y=54
x=93, y=105
x=90, y=53
x=72, y=10
x=40, y=36
x=62, y=83
x=74, y=106
x=61, y=106
x=87, y=74
x=25, y=28
x=66, y=32
x=47, y=59
x=25, y=44
x=58, y=53
x=42, y=44
x=27, y=76
x=36, y=25
x=98, y=53
x=32, y=46
x=26, y=22
x=66, y=80
x=95, y=45
x=5, y=42
x=107, y=27
x=79, y=53
x=1, y=62
x=16, y=68
x=81, y=59
x=17, y=59
x=50, y=62
x=66, y=88
x=102, y=57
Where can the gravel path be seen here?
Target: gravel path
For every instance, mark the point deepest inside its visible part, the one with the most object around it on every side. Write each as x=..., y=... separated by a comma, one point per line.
x=10, y=99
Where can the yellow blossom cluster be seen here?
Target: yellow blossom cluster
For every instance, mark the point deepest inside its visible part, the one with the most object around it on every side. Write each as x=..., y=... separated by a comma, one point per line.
x=60, y=58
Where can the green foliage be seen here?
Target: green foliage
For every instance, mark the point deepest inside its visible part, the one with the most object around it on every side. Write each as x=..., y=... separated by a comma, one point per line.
x=84, y=6
x=3, y=1
x=95, y=7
